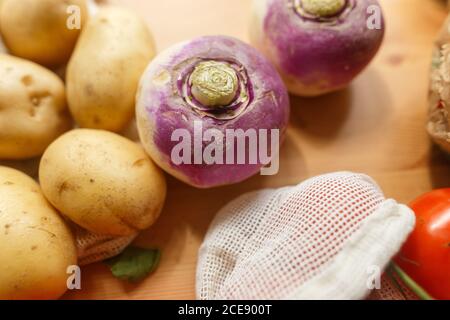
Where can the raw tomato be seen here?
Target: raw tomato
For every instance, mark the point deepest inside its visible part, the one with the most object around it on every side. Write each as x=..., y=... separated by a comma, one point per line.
x=425, y=257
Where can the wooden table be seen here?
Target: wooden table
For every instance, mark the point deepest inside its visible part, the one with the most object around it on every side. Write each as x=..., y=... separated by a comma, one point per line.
x=376, y=126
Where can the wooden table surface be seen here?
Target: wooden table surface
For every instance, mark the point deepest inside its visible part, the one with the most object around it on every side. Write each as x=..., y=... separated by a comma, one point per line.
x=376, y=126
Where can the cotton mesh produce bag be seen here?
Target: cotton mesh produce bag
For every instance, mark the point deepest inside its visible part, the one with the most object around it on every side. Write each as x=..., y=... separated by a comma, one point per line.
x=317, y=240
x=93, y=247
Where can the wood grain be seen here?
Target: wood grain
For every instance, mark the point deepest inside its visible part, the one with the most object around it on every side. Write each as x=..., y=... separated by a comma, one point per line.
x=376, y=126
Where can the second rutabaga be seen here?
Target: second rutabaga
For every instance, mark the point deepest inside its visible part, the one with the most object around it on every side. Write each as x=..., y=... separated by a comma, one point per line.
x=318, y=46
x=212, y=111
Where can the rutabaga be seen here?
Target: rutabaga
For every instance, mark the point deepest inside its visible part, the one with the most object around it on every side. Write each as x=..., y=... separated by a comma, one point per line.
x=318, y=46
x=195, y=95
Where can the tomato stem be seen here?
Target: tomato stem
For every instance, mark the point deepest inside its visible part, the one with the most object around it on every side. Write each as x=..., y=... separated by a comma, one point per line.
x=416, y=288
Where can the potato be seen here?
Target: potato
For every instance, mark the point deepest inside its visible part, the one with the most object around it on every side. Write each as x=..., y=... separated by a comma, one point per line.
x=32, y=108
x=36, y=246
x=102, y=182
x=103, y=73
x=38, y=30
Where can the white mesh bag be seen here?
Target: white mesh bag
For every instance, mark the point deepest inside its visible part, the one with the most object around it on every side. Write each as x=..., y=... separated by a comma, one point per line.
x=93, y=247
x=317, y=240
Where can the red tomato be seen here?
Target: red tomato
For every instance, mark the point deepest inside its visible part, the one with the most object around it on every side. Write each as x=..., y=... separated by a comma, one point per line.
x=426, y=255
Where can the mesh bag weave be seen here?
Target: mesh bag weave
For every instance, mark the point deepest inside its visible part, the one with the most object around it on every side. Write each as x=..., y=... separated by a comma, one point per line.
x=392, y=289
x=316, y=240
x=93, y=247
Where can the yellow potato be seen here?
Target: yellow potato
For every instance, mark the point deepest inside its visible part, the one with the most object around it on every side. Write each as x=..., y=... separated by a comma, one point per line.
x=103, y=73
x=102, y=182
x=44, y=31
x=36, y=246
x=32, y=108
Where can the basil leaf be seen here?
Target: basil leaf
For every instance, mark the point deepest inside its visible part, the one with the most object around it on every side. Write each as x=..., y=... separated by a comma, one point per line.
x=134, y=264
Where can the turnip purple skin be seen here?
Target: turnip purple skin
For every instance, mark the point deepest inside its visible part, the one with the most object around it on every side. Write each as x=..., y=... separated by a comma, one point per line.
x=163, y=107
x=316, y=54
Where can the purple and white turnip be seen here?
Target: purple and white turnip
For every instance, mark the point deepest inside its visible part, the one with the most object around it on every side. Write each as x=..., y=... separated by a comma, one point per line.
x=197, y=94
x=318, y=46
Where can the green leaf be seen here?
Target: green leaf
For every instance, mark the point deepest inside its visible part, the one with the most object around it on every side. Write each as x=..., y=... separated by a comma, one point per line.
x=134, y=264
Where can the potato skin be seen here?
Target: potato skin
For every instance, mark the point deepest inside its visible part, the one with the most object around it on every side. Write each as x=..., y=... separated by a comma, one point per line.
x=102, y=182
x=36, y=246
x=37, y=29
x=104, y=71
x=33, y=108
